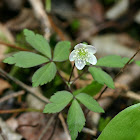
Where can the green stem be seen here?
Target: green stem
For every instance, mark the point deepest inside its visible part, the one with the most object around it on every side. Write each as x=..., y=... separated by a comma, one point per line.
x=71, y=73
x=48, y=5
x=86, y=69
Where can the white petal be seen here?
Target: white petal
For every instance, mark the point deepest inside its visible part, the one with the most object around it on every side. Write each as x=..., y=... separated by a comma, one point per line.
x=79, y=64
x=91, y=49
x=92, y=59
x=71, y=57
x=80, y=45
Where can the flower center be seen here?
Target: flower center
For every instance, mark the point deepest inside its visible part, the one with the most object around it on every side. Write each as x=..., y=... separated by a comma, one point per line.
x=82, y=54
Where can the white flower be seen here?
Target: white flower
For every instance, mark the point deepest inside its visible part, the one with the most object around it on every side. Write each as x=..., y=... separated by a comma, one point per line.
x=82, y=54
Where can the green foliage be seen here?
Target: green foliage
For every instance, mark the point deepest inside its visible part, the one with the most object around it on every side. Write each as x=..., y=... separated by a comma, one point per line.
x=91, y=89
x=124, y=126
x=75, y=119
x=103, y=122
x=138, y=63
x=9, y=60
x=101, y=77
x=89, y=102
x=62, y=51
x=44, y=75
x=110, y=61
x=26, y=59
x=113, y=61
x=38, y=42
x=58, y=102
x=138, y=137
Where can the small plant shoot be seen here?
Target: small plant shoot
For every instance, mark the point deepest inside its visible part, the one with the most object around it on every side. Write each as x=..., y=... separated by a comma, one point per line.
x=84, y=57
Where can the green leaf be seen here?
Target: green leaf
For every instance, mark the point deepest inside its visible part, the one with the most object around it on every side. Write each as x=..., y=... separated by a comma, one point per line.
x=138, y=137
x=9, y=60
x=126, y=59
x=62, y=51
x=103, y=123
x=89, y=102
x=59, y=102
x=110, y=61
x=124, y=126
x=38, y=42
x=26, y=59
x=44, y=75
x=91, y=89
x=101, y=77
x=138, y=63
x=75, y=119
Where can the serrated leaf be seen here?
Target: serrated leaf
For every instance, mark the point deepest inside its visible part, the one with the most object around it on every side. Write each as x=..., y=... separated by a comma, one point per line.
x=101, y=77
x=26, y=59
x=138, y=63
x=124, y=126
x=89, y=102
x=38, y=42
x=126, y=59
x=75, y=119
x=110, y=61
x=61, y=51
x=9, y=60
x=59, y=101
x=44, y=75
x=91, y=89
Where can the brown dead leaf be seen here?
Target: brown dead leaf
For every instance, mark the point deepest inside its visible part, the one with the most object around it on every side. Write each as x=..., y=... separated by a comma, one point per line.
x=8, y=133
x=4, y=85
x=127, y=40
x=25, y=19
x=39, y=121
x=92, y=8
x=12, y=123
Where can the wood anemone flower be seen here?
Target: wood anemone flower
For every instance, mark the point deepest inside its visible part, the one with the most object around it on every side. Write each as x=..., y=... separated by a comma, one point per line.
x=82, y=54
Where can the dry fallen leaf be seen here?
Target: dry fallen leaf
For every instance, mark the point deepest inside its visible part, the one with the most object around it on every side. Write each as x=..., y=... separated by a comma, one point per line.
x=36, y=124
x=4, y=85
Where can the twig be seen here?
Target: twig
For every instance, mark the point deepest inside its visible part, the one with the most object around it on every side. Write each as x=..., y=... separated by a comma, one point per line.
x=19, y=110
x=5, y=98
x=56, y=29
x=26, y=87
x=47, y=127
x=64, y=125
x=13, y=46
x=122, y=70
x=41, y=16
x=89, y=131
x=132, y=95
x=55, y=126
